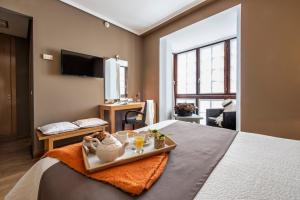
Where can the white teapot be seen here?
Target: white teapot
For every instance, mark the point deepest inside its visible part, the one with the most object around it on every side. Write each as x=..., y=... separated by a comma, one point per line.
x=108, y=149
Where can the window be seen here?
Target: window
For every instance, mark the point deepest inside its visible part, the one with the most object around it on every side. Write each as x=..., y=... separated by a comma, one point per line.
x=186, y=81
x=206, y=76
x=123, y=81
x=186, y=101
x=212, y=69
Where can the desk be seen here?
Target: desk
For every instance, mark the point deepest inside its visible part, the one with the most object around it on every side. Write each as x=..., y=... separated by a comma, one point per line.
x=112, y=108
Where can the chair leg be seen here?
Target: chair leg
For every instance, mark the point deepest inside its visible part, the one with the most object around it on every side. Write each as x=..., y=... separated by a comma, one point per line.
x=133, y=126
x=123, y=126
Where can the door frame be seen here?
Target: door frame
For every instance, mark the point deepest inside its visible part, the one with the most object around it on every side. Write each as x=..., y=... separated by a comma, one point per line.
x=13, y=85
x=31, y=71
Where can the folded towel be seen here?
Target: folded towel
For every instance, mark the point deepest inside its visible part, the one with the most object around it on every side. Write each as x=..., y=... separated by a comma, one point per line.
x=150, y=112
x=133, y=177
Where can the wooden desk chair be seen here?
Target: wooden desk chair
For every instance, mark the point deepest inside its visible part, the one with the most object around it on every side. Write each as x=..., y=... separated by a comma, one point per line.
x=132, y=117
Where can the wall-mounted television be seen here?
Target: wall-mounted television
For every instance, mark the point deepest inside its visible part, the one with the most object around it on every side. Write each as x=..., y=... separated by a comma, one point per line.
x=73, y=63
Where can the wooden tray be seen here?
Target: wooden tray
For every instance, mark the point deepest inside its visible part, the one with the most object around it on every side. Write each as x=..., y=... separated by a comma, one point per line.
x=93, y=163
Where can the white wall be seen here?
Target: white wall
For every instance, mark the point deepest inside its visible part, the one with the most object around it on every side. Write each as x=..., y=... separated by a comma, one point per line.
x=166, y=89
x=215, y=28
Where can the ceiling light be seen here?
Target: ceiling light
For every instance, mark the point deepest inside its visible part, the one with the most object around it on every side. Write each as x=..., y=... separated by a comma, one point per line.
x=3, y=23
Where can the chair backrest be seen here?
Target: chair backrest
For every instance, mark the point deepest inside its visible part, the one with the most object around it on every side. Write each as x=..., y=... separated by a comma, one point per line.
x=144, y=112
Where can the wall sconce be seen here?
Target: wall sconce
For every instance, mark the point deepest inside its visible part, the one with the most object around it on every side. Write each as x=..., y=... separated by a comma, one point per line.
x=106, y=24
x=47, y=56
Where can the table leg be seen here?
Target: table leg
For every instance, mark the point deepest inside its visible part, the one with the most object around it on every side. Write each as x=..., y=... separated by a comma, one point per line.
x=46, y=145
x=112, y=119
x=50, y=145
x=102, y=114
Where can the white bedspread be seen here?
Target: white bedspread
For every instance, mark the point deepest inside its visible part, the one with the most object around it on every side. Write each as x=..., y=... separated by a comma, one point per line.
x=254, y=167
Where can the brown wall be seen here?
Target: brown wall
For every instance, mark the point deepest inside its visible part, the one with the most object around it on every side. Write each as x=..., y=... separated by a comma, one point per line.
x=58, y=26
x=271, y=67
x=270, y=63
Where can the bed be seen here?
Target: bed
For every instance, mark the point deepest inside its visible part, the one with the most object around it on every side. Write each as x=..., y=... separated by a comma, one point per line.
x=253, y=167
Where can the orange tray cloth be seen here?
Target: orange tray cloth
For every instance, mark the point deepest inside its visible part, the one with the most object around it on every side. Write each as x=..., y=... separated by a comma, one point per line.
x=133, y=177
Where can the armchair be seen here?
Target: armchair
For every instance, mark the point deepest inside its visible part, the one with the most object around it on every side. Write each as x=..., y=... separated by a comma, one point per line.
x=229, y=118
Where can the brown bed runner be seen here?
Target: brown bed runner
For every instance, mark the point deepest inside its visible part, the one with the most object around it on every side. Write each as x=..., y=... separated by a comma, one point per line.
x=199, y=150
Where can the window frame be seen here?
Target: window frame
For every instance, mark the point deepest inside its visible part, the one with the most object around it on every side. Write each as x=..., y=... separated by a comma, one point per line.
x=226, y=95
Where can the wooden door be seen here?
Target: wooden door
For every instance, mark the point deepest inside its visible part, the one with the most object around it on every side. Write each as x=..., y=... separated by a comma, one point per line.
x=7, y=86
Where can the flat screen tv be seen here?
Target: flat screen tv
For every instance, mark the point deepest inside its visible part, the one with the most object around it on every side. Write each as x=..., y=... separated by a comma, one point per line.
x=73, y=63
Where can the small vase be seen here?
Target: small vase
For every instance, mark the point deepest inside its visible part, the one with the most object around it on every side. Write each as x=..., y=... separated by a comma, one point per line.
x=158, y=143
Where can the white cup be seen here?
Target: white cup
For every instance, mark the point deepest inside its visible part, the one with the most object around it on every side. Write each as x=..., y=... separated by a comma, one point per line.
x=122, y=136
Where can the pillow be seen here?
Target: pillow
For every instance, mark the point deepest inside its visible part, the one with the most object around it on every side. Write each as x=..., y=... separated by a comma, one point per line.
x=229, y=106
x=55, y=128
x=219, y=120
x=91, y=122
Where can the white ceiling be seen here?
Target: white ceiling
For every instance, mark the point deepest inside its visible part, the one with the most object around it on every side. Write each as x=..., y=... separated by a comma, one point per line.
x=215, y=28
x=137, y=16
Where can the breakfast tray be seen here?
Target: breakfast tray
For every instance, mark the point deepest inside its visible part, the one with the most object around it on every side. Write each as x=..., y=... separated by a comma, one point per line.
x=92, y=163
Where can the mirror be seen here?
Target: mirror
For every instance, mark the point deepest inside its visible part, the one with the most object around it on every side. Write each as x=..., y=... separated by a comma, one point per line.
x=115, y=79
